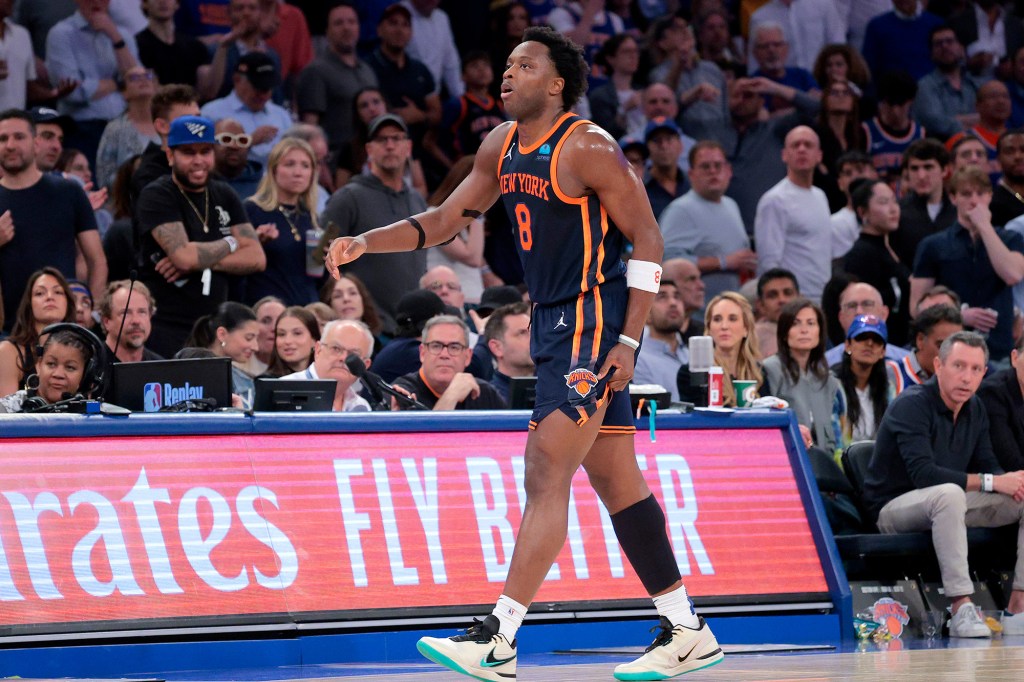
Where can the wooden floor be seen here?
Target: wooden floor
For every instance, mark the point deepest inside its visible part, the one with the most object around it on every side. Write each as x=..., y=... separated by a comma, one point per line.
x=995, y=661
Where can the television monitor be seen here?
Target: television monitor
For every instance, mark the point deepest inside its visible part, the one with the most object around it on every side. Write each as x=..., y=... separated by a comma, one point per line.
x=294, y=395
x=154, y=384
x=522, y=392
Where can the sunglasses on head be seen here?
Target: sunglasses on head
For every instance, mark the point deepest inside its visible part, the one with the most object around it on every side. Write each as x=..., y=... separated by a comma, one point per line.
x=234, y=140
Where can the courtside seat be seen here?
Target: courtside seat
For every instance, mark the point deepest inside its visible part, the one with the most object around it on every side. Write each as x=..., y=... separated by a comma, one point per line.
x=860, y=551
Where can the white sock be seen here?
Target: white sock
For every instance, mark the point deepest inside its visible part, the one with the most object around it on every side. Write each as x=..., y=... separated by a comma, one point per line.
x=677, y=607
x=510, y=614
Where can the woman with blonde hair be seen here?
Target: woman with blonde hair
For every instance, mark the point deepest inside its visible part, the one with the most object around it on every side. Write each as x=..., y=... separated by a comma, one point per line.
x=284, y=211
x=729, y=321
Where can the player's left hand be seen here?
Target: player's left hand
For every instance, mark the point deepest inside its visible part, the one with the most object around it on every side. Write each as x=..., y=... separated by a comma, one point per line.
x=619, y=362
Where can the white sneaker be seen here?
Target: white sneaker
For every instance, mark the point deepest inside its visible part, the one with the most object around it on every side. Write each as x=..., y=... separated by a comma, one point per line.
x=967, y=622
x=480, y=653
x=1013, y=623
x=675, y=651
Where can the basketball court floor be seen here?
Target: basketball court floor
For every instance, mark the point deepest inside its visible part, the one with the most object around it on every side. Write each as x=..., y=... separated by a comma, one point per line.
x=913, y=660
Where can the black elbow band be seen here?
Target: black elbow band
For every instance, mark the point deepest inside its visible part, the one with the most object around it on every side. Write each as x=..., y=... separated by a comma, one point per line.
x=422, y=239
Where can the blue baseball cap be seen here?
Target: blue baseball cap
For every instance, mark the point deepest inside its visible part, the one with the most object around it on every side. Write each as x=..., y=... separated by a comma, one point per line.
x=658, y=124
x=190, y=130
x=868, y=324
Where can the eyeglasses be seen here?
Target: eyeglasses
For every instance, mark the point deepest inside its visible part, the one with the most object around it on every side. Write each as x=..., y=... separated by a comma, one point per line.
x=450, y=286
x=335, y=349
x=240, y=140
x=853, y=306
x=384, y=139
x=146, y=75
x=454, y=348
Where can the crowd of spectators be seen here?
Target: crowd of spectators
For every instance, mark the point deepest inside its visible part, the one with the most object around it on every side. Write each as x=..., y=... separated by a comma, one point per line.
x=811, y=164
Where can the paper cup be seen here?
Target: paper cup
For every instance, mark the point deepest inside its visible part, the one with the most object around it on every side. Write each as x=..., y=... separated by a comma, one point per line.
x=746, y=392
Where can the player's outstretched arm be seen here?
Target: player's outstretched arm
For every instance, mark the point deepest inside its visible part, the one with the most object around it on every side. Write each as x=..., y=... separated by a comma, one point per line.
x=597, y=164
x=472, y=197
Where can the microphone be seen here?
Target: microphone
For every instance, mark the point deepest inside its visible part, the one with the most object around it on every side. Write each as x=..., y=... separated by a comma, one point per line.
x=132, y=276
x=374, y=384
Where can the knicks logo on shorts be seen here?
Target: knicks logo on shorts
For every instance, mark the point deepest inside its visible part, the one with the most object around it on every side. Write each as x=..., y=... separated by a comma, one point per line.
x=581, y=380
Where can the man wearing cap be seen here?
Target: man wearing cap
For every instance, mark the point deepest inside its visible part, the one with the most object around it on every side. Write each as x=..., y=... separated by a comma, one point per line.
x=194, y=233
x=666, y=179
x=43, y=217
x=325, y=89
x=406, y=83
x=51, y=128
x=249, y=104
x=88, y=47
x=376, y=198
x=705, y=226
x=401, y=355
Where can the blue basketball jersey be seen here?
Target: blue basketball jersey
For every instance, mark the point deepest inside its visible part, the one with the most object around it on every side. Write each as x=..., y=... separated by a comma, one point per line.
x=885, y=150
x=568, y=245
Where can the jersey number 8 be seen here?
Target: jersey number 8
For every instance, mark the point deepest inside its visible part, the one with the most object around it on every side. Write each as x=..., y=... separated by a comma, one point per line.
x=523, y=221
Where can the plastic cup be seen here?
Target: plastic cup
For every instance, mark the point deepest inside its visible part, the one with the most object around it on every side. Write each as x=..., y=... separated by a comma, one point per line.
x=746, y=392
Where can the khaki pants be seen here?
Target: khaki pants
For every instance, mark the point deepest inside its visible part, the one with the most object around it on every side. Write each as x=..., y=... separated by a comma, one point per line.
x=947, y=511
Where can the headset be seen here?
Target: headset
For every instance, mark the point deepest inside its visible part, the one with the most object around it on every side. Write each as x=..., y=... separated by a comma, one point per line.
x=94, y=375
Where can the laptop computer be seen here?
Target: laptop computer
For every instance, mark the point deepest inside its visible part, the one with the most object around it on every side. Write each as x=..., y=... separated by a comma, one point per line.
x=155, y=384
x=522, y=392
x=294, y=395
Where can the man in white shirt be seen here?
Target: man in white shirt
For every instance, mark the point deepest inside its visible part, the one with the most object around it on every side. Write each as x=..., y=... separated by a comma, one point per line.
x=340, y=339
x=809, y=26
x=792, y=224
x=433, y=43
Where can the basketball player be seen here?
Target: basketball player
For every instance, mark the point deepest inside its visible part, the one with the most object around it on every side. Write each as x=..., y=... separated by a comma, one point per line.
x=574, y=201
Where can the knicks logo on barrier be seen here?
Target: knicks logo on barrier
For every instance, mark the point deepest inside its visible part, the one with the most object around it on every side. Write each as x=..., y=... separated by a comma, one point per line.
x=581, y=380
x=892, y=614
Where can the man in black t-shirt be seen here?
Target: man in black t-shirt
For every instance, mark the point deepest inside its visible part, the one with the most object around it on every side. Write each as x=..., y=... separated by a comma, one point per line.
x=442, y=382
x=43, y=217
x=194, y=233
x=169, y=103
x=175, y=58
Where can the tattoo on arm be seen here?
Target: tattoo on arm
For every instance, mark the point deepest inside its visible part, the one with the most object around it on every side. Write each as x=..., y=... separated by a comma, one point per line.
x=170, y=236
x=210, y=253
x=470, y=213
x=244, y=231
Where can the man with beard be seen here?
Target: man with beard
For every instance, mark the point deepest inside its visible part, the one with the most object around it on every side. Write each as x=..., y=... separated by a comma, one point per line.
x=946, y=97
x=664, y=350
x=51, y=128
x=231, y=158
x=43, y=217
x=1007, y=202
x=128, y=316
x=194, y=233
x=508, y=338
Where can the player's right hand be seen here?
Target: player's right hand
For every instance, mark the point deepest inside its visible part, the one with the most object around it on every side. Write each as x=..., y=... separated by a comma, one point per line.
x=343, y=250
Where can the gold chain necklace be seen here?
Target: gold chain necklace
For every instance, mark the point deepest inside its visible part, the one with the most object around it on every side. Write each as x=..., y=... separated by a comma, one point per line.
x=205, y=218
x=1002, y=181
x=288, y=219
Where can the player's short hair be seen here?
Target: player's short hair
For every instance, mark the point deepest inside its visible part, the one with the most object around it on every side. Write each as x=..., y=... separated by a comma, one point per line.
x=568, y=59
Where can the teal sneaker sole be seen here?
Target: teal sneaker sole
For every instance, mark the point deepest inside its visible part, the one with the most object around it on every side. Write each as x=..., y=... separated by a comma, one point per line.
x=659, y=676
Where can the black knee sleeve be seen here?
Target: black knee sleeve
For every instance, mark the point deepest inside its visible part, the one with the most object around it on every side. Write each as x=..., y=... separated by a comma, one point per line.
x=640, y=530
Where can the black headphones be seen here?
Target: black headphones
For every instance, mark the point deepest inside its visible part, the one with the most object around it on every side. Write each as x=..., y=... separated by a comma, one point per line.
x=94, y=375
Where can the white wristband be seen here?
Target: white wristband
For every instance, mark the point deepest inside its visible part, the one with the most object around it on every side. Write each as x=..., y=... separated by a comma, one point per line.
x=628, y=341
x=643, y=275
x=987, y=483
x=232, y=243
